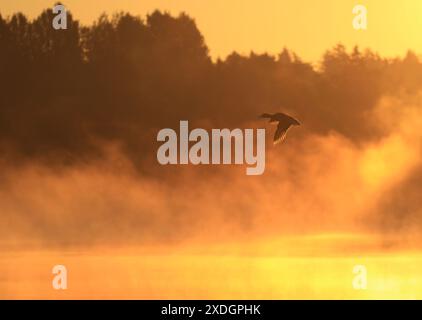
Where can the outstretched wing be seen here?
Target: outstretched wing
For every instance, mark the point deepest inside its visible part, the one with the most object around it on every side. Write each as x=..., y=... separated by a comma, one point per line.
x=284, y=118
x=266, y=115
x=280, y=133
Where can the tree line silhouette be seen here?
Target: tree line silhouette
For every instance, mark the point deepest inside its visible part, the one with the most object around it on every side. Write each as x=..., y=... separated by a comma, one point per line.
x=64, y=92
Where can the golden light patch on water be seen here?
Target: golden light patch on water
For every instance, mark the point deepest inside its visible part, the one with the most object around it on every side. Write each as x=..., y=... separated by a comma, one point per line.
x=188, y=274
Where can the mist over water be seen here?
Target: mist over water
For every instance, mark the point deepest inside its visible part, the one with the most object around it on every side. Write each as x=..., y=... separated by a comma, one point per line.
x=312, y=184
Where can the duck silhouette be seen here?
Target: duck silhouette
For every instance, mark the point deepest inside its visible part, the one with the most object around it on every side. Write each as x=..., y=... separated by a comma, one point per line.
x=284, y=123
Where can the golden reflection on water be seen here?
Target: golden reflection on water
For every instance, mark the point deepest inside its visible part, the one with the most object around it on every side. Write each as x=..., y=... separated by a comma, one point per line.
x=260, y=270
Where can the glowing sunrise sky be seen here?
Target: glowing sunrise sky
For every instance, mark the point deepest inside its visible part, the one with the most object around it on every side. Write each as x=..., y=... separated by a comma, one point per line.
x=307, y=27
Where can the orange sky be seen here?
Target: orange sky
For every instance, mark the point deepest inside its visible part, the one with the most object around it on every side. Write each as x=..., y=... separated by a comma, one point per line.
x=306, y=26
